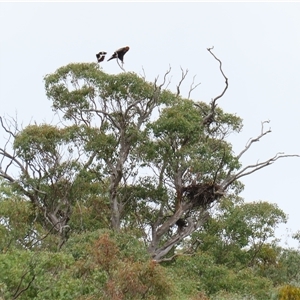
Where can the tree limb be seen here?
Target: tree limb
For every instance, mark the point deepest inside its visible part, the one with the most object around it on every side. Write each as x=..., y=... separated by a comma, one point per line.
x=251, y=141
x=213, y=104
x=183, y=75
x=192, y=86
x=253, y=168
x=226, y=79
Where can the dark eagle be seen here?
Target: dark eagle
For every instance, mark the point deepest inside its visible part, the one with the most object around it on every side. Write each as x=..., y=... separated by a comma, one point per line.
x=100, y=56
x=119, y=54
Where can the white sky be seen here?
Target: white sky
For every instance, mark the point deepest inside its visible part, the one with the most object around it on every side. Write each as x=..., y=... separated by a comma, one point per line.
x=258, y=43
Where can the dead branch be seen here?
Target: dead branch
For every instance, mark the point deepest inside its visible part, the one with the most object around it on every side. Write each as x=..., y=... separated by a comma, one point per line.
x=213, y=104
x=13, y=159
x=253, y=168
x=251, y=141
x=226, y=79
x=165, y=76
x=6, y=129
x=144, y=74
x=183, y=75
x=263, y=164
x=192, y=86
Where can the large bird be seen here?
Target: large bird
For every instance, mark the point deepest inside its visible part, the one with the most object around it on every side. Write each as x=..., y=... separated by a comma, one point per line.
x=120, y=54
x=100, y=56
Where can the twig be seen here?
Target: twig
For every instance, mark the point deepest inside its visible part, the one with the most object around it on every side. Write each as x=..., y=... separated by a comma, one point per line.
x=7, y=130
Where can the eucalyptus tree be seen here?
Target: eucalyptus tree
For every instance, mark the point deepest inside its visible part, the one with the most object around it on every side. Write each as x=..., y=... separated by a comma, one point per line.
x=160, y=160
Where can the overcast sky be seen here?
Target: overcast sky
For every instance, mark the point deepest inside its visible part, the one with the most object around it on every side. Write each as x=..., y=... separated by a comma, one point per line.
x=258, y=43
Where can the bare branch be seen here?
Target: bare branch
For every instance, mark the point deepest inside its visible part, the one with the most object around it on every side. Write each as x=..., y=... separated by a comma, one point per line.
x=210, y=117
x=144, y=74
x=165, y=76
x=6, y=129
x=251, y=141
x=192, y=86
x=253, y=168
x=183, y=75
x=4, y=153
x=226, y=79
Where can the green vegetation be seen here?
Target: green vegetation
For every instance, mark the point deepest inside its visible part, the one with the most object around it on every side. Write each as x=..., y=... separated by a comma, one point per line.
x=135, y=195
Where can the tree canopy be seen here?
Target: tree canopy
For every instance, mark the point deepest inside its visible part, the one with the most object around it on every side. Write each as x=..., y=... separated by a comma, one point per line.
x=134, y=175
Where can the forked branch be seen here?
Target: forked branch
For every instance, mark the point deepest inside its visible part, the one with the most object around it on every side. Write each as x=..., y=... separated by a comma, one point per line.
x=251, y=141
x=213, y=104
x=183, y=75
x=193, y=86
x=230, y=178
x=165, y=77
x=226, y=79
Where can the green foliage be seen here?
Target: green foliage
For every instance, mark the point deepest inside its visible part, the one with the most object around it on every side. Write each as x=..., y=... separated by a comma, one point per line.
x=18, y=228
x=181, y=140
x=35, y=139
x=40, y=273
x=240, y=233
x=92, y=265
x=80, y=176
x=280, y=265
x=290, y=262
x=71, y=88
x=204, y=274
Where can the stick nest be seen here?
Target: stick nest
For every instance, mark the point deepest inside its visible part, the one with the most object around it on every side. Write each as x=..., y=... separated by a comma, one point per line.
x=202, y=194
